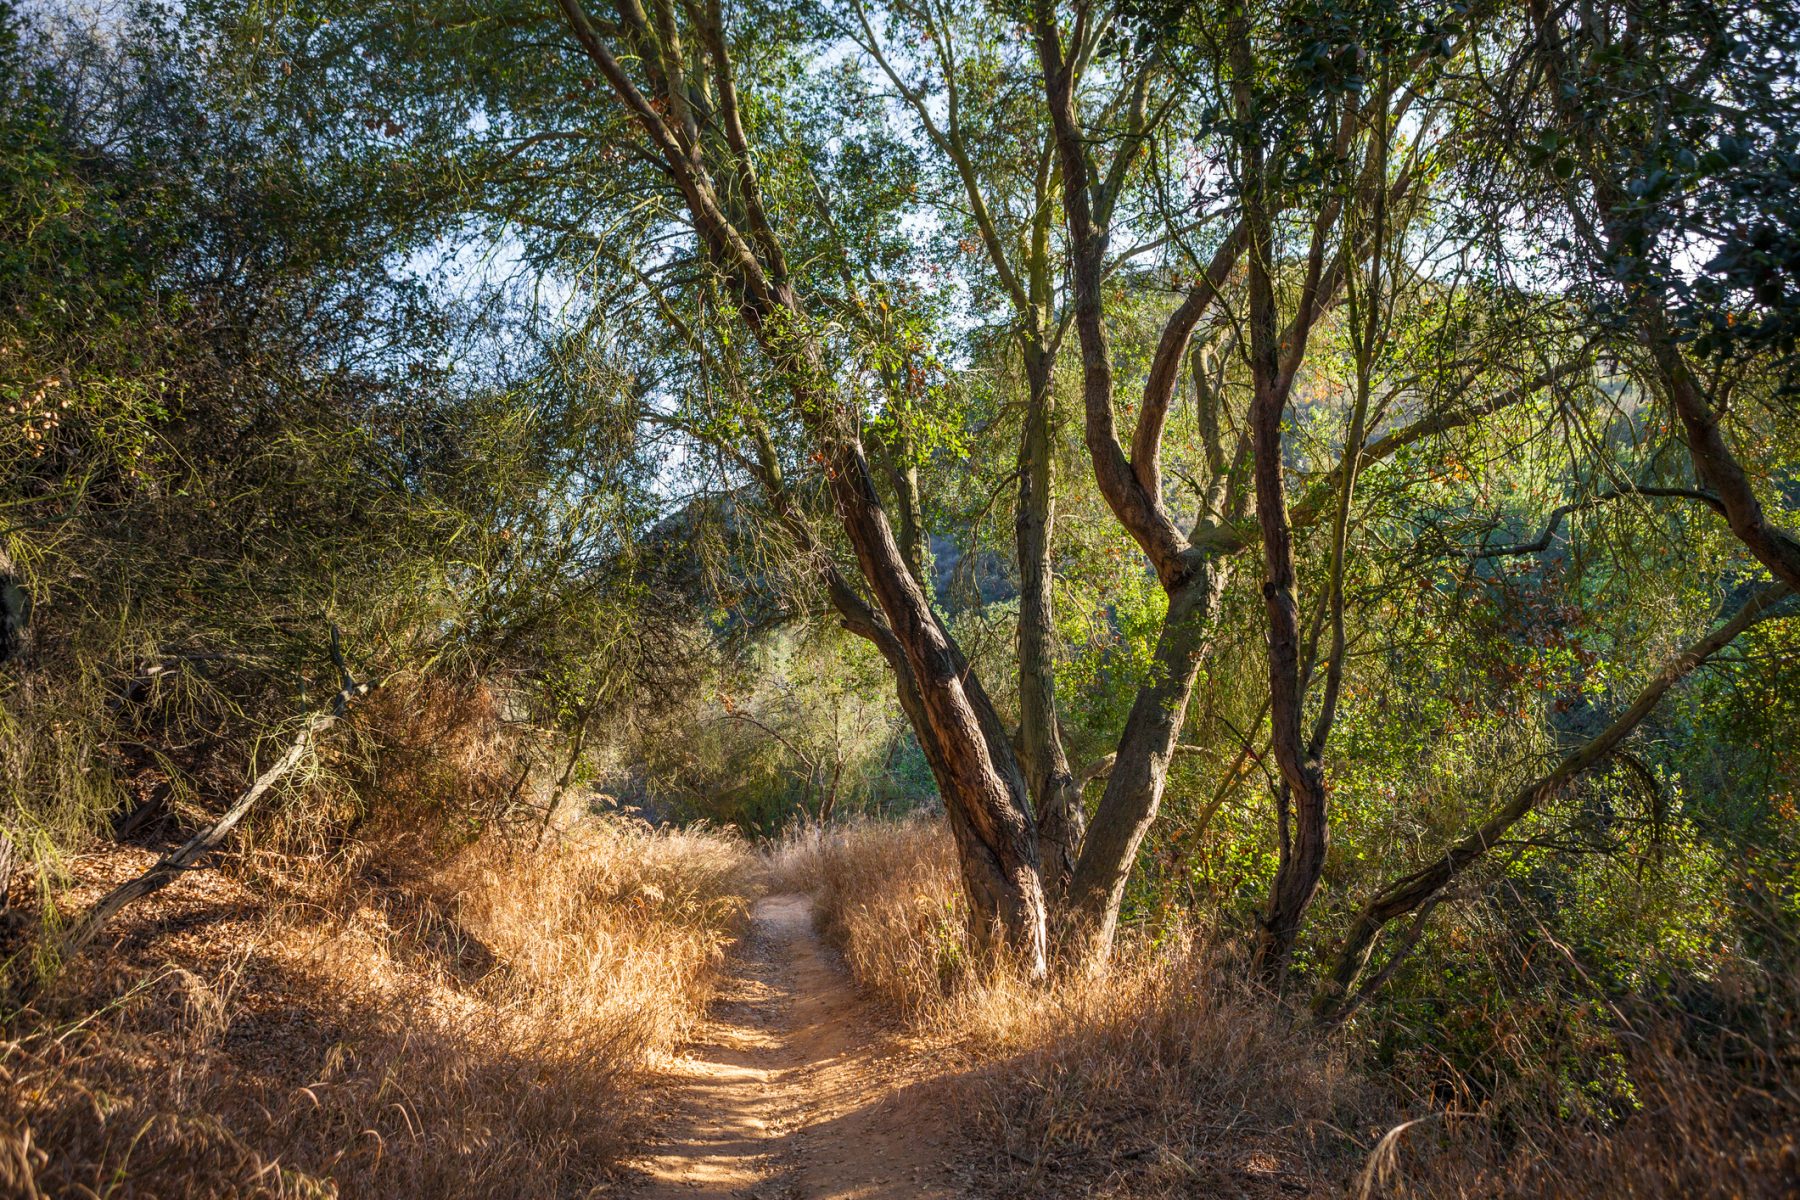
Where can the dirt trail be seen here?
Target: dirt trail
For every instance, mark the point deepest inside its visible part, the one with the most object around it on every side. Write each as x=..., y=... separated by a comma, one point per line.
x=790, y=1092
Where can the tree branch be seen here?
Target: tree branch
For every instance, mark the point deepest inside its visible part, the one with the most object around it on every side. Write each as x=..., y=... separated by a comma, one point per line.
x=1410, y=892
x=83, y=932
x=1542, y=542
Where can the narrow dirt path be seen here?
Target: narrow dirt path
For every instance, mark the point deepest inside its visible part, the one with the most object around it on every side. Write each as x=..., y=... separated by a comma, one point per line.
x=791, y=1092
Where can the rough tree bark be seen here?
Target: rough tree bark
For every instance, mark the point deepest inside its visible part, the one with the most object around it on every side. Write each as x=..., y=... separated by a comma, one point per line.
x=1303, y=829
x=1054, y=791
x=1140, y=766
x=1025, y=274
x=1192, y=573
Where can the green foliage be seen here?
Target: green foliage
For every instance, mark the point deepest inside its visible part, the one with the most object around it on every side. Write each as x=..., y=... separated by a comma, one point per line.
x=386, y=316
x=800, y=727
x=237, y=417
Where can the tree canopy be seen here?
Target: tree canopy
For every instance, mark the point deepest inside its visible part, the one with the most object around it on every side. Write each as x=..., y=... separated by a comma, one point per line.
x=1312, y=466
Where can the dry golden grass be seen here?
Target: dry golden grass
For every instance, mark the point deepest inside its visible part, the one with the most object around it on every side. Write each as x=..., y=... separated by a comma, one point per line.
x=1168, y=1075
x=481, y=1030
x=886, y=896
x=1165, y=1076
x=482, y=1023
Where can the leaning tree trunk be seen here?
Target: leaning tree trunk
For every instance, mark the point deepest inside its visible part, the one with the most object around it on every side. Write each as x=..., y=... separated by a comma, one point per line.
x=997, y=879
x=970, y=753
x=965, y=742
x=172, y=866
x=1714, y=463
x=996, y=861
x=1715, y=466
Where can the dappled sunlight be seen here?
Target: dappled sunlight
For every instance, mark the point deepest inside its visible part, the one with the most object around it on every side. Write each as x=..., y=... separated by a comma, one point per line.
x=486, y=1030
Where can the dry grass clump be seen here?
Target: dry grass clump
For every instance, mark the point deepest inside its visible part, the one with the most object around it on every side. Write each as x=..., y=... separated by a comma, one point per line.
x=886, y=895
x=1164, y=1076
x=1170, y=1075
x=483, y=1030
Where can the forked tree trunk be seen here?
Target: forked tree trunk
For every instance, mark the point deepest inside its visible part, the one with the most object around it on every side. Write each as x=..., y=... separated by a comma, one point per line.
x=1274, y=361
x=1192, y=577
x=1303, y=830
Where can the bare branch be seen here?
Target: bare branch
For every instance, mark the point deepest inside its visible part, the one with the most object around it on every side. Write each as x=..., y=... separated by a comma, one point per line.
x=1411, y=892
x=1542, y=542
x=168, y=868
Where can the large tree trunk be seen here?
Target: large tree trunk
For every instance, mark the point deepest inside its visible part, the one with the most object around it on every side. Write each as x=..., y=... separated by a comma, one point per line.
x=1134, y=789
x=999, y=874
x=977, y=770
x=1054, y=791
x=998, y=879
x=972, y=756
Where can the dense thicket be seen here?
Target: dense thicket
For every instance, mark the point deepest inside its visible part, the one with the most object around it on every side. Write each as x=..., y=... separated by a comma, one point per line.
x=242, y=414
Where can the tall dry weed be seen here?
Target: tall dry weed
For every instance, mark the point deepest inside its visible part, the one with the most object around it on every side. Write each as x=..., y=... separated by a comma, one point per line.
x=1164, y=1075
x=1714, y=1117
x=886, y=895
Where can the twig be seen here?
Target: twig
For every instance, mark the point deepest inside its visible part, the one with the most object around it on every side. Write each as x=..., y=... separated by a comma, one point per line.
x=1542, y=542
x=1381, y=1160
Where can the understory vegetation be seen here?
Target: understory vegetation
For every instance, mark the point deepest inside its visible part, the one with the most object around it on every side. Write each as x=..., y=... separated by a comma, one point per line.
x=1171, y=1075
x=482, y=1026
x=1242, y=553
